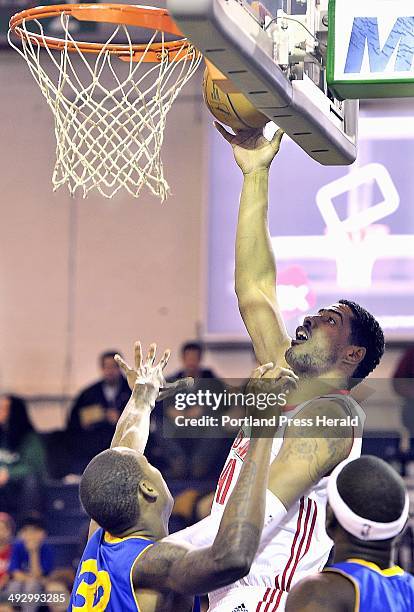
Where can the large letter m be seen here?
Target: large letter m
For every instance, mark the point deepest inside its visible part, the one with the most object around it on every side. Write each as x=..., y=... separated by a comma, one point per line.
x=365, y=31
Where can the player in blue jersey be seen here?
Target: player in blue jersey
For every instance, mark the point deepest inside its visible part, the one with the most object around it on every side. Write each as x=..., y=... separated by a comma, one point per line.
x=368, y=509
x=126, y=565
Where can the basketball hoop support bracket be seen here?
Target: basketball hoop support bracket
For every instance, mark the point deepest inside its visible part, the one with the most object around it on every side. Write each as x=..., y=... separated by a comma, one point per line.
x=228, y=35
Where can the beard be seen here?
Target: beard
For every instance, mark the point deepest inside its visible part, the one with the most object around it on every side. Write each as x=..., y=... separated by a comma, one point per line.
x=314, y=362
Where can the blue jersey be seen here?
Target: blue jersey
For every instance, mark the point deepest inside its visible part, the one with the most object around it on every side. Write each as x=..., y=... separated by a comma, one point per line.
x=104, y=577
x=389, y=590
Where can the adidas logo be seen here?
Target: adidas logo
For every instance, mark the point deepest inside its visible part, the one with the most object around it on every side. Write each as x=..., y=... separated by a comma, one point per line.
x=240, y=608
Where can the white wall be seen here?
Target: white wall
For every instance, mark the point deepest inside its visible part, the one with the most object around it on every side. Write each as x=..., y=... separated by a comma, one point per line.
x=136, y=263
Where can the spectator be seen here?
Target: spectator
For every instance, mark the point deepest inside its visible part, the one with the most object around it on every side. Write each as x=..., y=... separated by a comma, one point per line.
x=194, y=457
x=32, y=559
x=59, y=586
x=22, y=459
x=95, y=413
x=6, y=536
x=191, y=356
x=403, y=382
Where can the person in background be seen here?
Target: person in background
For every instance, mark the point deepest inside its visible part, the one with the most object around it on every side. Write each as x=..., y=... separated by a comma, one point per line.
x=59, y=586
x=32, y=560
x=95, y=413
x=200, y=457
x=368, y=508
x=403, y=383
x=192, y=356
x=6, y=536
x=22, y=459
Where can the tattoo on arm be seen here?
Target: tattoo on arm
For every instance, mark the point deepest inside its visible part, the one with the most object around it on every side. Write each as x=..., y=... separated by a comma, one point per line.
x=321, y=455
x=309, y=453
x=169, y=566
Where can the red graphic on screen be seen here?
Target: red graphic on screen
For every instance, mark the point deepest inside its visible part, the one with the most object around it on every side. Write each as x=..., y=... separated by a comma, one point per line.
x=294, y=291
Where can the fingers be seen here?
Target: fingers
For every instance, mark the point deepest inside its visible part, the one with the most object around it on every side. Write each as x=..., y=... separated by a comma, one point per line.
x=122, y=364
x=290, y=381
x=285, y=372
x=164, y=359
x=151, y=354
x=138, y=355
x=277, y=137
x=226, y=135
x=261, y=370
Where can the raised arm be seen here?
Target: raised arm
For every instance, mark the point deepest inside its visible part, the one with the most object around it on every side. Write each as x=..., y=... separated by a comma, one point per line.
x=145, y=380
x=170, y=566
x=255, y=277
x=148, y=385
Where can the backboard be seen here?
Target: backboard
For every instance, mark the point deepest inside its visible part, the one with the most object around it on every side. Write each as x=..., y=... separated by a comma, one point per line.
x=275, y=53
x=292, y=7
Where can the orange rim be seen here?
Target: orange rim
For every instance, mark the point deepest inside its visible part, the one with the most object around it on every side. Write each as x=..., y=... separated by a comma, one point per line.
x=120, y=14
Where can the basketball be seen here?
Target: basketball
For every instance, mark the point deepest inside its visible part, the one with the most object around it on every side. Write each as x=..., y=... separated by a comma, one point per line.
x=232, y=109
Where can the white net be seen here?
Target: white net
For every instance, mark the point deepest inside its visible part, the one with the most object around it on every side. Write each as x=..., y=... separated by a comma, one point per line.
x=110, y=114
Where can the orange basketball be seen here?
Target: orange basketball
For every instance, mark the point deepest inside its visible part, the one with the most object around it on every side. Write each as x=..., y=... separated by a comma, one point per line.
x=232, y=109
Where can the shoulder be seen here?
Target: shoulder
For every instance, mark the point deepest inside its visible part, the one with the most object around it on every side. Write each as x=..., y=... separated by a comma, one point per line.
x=319, y=438
x=323, y=592
x=91, y=389
x=175, y=376
x=335, y=405
x=18, y=549
x=18, y=545
x=152, y=565
x=322, y=417
x=207, y=373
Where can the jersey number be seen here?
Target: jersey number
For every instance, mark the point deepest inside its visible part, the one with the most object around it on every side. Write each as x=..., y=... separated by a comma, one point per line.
x=96, y=592
x=224, y=481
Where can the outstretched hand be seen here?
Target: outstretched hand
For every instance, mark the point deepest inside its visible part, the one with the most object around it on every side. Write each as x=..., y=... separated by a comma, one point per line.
x=146, y=373
x=252, y=150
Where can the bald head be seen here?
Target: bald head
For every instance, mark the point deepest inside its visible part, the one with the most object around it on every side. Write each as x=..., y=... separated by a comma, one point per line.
x=109, y=489
x=372, y=489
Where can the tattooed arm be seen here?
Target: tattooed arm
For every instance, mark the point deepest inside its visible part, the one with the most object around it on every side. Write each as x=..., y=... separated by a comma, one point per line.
x=169, y=566
x=309, y=452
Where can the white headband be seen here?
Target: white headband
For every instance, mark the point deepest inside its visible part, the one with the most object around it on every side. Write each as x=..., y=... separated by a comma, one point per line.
x=362, y=528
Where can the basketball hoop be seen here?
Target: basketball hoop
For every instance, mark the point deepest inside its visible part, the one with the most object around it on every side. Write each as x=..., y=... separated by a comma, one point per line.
x=109, y=119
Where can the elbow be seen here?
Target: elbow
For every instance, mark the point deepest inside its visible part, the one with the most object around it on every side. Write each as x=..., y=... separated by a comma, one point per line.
x=255, y=294
x=235, y=565
x=242, y=566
